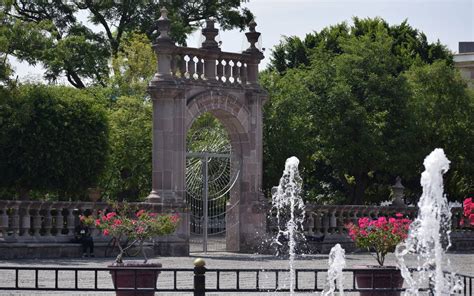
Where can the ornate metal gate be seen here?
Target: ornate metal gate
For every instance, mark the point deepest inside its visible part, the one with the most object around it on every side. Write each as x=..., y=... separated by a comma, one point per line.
x=211, y=173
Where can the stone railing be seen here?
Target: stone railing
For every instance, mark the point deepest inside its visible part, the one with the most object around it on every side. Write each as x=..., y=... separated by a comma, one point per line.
x=40, y=221
x=330, y=219
x=193, y=64
x=207, y=64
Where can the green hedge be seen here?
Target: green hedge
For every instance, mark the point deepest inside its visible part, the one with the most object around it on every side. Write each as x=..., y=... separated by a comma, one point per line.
x=52, y=139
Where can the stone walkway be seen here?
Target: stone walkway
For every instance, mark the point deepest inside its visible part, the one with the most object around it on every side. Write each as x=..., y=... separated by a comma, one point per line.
x=461, y=263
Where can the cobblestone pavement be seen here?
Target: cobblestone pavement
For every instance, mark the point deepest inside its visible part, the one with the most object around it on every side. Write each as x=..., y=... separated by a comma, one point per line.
x=461, y=263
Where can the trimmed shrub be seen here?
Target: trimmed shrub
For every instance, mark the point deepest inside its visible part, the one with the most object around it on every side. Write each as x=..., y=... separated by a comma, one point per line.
x=52, y=139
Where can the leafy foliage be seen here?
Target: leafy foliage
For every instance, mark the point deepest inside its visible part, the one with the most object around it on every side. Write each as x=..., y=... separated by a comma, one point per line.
x=381, y=235
x=137, y=227
x=351, y=103
x=128, y=171
x=52, y=32
x=52, y=139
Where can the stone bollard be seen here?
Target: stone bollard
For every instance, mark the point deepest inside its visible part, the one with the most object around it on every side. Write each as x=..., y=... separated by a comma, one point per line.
x=199, y=277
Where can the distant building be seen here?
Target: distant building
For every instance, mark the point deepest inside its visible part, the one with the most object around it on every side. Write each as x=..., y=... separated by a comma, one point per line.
x=464, y=61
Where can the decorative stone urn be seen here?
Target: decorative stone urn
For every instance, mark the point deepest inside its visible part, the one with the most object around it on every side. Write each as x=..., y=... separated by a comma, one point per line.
x=376, y=276
x=94, y=193
x=133, y=274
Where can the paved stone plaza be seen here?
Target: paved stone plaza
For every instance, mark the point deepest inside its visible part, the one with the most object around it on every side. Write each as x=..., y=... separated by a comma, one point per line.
x=462, y=263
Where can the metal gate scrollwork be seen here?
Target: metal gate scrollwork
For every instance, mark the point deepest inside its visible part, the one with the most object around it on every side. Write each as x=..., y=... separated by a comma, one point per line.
x=211, y=173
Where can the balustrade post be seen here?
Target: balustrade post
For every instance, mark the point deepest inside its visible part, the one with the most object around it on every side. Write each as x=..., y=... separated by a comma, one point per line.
x=164, y=48
x=340, y=221
x=59, y=221
x=15, y=227
x=36, y=223
x=4, y=222
x=355, y=217
x=48, y=221
x=26, y=223
x=317, y=224
x=212, y=47
x=71, y=221
x=326, y=221
x=256, y=54
x=310, y=223
x=333, y=221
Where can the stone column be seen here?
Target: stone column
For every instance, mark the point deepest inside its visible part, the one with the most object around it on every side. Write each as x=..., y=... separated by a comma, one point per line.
x=169, y=146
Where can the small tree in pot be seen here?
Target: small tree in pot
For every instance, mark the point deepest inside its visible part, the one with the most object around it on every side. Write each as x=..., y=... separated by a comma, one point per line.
x=381, y=235
x=137, y=227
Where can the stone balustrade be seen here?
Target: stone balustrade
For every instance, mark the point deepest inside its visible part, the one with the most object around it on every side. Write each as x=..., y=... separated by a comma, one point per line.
x=47, y=221
x=207, y=64
x=194, y=65
x=331, y=219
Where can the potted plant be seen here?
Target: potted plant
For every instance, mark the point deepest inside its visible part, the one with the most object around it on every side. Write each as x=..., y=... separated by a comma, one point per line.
x=137, y=227
x=380, y=235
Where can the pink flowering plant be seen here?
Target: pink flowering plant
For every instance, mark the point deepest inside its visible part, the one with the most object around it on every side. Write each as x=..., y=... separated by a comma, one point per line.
x=468, y=212
x=381, y=235
x=136, y=226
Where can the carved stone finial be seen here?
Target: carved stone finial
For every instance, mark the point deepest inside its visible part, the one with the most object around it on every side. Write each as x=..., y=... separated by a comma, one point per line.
x=164, y=13
x=163, y=24
x=210, y=33
x=252, y=25
x=398, y=195
x=252, y=38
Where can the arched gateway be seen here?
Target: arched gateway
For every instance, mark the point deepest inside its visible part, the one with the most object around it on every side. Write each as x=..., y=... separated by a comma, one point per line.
x=188, y=83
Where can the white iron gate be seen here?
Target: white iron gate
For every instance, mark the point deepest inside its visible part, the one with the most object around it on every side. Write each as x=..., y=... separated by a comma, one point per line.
x=209, y=180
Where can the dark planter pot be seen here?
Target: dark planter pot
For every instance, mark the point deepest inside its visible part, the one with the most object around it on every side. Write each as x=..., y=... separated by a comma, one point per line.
x=383, y=277
x=126, y=274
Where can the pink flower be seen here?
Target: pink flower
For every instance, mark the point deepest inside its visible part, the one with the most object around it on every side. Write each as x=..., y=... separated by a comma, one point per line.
x=175, y=218
x=117, y=222
x=152, y=214
x=106, y=232
x=97, y=222
x=399, y=215
x=139, y=213
x=364, y=222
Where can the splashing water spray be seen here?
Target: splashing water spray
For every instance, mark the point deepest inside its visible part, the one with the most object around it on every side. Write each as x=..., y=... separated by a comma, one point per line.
x=337, y=262
x=428, y=237
x=289, y=206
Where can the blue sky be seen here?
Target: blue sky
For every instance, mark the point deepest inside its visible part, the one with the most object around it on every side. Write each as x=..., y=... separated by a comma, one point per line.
x=450, y=21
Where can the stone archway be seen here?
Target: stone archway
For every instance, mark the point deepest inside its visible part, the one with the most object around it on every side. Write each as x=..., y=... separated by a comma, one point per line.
x=190, y=82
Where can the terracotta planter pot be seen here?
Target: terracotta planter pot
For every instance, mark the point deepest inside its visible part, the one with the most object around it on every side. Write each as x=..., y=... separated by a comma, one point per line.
x=383, y=277
x=146, y=277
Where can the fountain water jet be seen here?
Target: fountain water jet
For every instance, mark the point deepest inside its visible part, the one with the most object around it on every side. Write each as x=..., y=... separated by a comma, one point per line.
x=428, y=237
x=337, y=262
x=287, y=202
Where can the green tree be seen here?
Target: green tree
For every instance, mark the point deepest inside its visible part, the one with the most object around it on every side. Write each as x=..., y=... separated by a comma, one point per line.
x=128, y=172
x=408, y=44
x=51, y=139
x=342, y=104
x=442, y=115
x=134, y=65
x=53, y=34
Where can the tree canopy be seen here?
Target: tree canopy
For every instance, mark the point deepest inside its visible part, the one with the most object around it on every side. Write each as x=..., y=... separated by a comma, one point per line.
x=351, y=103
x=55, y=35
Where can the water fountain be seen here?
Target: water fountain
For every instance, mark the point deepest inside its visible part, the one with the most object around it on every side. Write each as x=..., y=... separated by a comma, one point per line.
x=429, y=233
x=289, y=207
x=337, y=262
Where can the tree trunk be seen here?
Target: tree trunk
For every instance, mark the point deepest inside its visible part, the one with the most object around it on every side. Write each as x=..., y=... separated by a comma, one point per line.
x=360, y=186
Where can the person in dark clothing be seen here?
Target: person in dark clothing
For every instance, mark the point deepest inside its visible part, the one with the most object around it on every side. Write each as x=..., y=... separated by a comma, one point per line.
x=83, y=235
